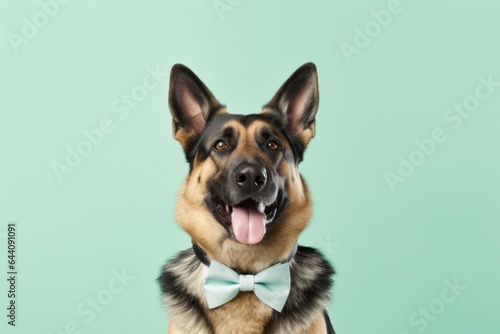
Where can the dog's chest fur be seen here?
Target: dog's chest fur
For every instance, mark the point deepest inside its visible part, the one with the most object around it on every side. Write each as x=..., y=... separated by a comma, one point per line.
x=245, y=312
x=182, y=284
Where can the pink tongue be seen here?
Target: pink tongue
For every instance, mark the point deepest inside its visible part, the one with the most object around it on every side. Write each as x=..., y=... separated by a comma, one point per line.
x=249, y=224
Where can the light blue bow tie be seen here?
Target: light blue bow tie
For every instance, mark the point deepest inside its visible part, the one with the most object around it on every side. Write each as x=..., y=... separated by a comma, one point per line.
x=271, y=285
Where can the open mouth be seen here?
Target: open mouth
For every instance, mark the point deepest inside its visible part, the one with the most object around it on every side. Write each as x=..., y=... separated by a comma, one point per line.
x=249, y=219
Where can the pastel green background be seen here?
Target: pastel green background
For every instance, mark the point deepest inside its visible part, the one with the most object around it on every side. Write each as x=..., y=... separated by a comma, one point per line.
x=393, y=250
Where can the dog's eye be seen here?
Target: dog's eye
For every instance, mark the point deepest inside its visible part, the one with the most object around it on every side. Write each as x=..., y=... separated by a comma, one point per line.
x=272, y=145
x=220, y=145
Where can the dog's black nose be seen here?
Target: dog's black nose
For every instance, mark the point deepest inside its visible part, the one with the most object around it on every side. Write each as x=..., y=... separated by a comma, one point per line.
x=250, y=177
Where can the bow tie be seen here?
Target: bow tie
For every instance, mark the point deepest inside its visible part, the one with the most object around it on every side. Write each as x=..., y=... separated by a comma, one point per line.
x=271, y=285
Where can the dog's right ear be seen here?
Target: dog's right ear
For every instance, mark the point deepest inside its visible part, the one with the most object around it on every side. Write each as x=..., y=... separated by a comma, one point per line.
x=191, y=104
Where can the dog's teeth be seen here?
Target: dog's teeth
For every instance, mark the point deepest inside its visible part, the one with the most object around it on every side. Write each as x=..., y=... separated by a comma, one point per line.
x=227, y=208
x=261, y=207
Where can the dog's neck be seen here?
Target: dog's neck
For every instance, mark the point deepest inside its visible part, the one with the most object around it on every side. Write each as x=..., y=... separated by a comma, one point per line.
x=203, y=257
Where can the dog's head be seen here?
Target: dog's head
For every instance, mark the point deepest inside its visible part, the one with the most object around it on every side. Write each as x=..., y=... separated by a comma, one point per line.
x=244, y=191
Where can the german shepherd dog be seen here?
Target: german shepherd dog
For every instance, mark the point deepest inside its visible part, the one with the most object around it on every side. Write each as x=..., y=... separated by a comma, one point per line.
x=244, y=205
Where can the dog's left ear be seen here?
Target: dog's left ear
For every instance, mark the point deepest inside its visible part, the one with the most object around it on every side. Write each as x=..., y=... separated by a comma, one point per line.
x=297, y=100
x=191, y=104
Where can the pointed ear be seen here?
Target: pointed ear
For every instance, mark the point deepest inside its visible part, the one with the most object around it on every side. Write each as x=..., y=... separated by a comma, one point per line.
x=297, y=100
x=191, y=104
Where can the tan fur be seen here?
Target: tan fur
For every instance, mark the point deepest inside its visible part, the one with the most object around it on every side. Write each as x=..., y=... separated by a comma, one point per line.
x=173, y=329
x=246, y=309
x=191, y=212
x=307, y=134
x=181, y=136
x=318, y=327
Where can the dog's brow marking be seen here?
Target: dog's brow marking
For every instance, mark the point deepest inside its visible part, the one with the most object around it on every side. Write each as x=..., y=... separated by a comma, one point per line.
x=258, y=127
x=266, y=133
x=233, y=124
x=228, y=132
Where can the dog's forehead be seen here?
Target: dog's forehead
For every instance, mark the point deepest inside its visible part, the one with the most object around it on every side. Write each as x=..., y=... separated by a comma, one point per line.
x=231, y=124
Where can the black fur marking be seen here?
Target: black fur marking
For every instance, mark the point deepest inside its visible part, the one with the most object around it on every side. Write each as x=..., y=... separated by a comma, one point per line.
x=266, y=133
x=172, y=286
x=329, y=327
x=228, y=133
x=200, y=254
